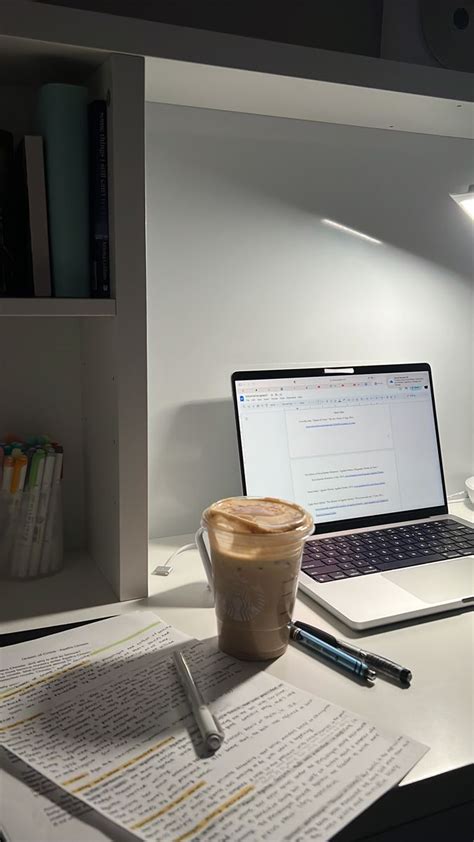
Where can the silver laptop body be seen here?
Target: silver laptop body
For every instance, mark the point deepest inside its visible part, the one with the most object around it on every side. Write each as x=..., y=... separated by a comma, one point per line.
x=359, y=448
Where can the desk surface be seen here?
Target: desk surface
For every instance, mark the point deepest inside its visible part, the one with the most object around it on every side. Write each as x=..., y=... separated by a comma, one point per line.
x=436, y=710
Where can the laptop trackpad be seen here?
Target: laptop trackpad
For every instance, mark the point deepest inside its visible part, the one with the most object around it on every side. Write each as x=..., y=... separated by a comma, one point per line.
x=437, y=582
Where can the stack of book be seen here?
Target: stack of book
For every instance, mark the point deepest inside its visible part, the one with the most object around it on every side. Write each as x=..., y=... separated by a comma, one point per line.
x=30, y=507
x=54, y=220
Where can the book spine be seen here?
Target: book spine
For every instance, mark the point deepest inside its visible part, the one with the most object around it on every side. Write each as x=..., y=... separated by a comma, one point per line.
x=21, y=241
x=37, y=215
x=99, y=200
x=6, y=209
x=62, y=117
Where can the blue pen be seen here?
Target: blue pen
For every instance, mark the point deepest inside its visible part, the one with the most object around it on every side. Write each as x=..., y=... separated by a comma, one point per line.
x=332, y=653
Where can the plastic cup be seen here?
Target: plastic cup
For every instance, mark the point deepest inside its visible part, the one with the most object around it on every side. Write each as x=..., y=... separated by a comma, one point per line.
x=256, y=546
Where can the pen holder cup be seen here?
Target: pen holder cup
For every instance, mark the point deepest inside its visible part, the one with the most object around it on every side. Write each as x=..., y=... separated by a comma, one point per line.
x=31, y=543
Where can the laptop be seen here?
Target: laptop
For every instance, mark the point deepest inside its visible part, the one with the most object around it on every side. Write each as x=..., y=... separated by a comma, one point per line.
x=359, y=448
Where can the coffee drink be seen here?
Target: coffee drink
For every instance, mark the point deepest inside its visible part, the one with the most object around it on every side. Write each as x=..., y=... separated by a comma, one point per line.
x=256, y=548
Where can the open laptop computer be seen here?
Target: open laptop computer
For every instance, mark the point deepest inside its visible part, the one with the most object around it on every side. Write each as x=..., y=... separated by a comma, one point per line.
x=359, y=448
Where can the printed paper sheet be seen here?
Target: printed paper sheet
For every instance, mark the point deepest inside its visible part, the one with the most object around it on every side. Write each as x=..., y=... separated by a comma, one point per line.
x=292, y=766
x=48, y=813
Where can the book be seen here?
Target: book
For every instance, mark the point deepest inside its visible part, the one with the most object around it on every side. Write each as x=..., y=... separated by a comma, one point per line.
x=6, y=256
x=62, y=120
x=31, y=229
x=98, y=200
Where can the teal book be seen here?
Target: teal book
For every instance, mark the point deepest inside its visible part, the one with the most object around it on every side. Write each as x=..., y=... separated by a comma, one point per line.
x=62, y=120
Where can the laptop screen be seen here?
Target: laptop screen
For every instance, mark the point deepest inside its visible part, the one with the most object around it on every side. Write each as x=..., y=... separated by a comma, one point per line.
x=346, y=446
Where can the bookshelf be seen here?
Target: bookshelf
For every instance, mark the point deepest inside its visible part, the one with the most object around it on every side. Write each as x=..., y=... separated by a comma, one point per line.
x=80, y=585
x=79, y=372
x=72, y=307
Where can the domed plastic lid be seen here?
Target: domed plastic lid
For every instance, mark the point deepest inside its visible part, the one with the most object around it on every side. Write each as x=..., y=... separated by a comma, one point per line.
x=257, y=515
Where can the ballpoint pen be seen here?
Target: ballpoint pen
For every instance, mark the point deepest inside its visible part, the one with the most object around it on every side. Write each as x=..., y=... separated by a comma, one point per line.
x=210, y=731
x=378, y=662
x=332, y=653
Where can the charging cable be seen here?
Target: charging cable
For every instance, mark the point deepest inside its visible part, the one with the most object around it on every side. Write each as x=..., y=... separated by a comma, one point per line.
x=457, y=497
x=165, y=569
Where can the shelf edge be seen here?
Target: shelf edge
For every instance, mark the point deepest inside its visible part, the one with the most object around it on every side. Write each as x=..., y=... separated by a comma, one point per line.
x=58, y=307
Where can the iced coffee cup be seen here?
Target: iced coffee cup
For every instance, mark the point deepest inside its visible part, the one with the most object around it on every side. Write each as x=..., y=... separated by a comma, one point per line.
x=256, y=546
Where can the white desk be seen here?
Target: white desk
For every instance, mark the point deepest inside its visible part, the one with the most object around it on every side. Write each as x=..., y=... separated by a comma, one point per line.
x=436, y=710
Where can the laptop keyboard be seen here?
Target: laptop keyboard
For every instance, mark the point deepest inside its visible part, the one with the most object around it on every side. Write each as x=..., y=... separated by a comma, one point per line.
x=345, y=556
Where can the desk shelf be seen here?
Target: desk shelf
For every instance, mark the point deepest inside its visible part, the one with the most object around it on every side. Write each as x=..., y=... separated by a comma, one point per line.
x=38, y=603
x=75, y=368
x=79, y=307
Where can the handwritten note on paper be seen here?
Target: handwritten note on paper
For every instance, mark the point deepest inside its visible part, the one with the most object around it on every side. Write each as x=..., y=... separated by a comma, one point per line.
x=48, y=812
x=33, y=809
x=291, y=766
x=35, y=675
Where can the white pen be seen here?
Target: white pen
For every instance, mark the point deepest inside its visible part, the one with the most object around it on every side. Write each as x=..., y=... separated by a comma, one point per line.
x=210, y=731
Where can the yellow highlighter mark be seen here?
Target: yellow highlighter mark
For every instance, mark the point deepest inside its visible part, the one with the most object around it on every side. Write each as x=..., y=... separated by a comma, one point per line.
x=215, y=813
x=20, y=722
x=74, y=779
x=186, y=794
x=50, y=677
x=125, y=765
x=129, y=637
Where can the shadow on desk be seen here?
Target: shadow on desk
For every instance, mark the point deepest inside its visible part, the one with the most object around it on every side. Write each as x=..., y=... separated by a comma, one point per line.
x=191, y=595
x=437, y=809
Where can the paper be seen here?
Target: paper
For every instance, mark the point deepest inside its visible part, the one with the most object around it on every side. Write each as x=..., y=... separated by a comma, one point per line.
x=87, y=655
x=48, y=814
x=33, y=809
x=291, y=766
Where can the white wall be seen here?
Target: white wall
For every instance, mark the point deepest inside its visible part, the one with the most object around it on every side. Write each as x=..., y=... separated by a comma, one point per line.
x=242, y=274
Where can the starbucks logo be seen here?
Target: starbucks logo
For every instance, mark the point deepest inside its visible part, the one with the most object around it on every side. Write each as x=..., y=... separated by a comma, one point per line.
x=243, y=601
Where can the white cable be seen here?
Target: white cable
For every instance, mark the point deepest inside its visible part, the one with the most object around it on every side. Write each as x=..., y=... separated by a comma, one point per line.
x=457, y=496
x=165, y=569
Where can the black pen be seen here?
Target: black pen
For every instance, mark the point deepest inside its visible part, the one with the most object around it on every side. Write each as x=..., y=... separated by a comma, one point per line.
x=378, y=662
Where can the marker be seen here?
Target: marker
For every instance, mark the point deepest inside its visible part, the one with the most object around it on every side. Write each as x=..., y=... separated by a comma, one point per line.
x=378, y=662
x=331, y=653
x=210, y=731
x=8, y=465
x=50, y=552
x=20, y=465
x=22, y=548
x=42, y=513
